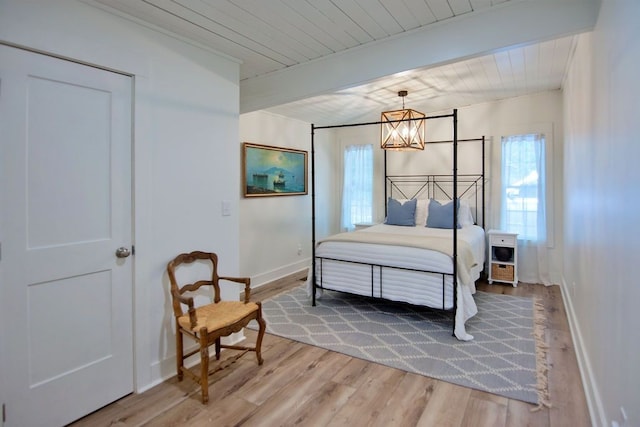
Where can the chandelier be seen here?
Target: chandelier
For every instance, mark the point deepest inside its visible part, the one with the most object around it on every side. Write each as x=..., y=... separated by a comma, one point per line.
x=402, y=129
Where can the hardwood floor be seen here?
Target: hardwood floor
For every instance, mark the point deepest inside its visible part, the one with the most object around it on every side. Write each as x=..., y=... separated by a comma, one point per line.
x=304, y=385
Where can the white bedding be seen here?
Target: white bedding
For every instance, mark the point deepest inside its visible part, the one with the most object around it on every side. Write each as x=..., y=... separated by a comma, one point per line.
x=415, y=287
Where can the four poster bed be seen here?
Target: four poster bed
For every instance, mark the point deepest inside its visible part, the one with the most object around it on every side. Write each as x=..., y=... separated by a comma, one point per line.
x=420, y=251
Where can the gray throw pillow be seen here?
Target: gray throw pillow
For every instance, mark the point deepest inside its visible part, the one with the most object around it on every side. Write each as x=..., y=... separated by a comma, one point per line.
x=401, y=214
x=441, y=216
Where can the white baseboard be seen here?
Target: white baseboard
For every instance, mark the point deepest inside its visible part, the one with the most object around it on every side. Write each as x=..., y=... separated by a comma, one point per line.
x=594, y=402
x=264, y=278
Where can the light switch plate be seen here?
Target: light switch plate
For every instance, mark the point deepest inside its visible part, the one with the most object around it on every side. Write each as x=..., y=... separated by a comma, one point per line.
x=226, y=208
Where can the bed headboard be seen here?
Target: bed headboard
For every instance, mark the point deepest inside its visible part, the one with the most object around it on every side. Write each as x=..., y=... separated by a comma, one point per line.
x=439, y=187
x=469, y=187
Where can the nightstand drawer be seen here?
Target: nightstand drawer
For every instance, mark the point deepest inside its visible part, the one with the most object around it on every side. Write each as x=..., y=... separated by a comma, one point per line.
x=503, y=240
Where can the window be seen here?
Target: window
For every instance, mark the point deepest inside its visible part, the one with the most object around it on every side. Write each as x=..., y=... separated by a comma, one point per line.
x=357, y=192
x=523, y=186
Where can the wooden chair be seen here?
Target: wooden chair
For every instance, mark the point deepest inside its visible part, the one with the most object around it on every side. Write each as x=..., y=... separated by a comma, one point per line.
x=208, y=323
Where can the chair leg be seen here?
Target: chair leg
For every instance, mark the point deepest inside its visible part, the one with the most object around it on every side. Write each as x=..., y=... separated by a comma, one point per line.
x=179, y=353
x=218, y=346
x=261, y=330
x=204, y=365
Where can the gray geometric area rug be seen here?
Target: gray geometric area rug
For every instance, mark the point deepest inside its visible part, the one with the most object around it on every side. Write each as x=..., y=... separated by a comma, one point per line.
x=501, y=359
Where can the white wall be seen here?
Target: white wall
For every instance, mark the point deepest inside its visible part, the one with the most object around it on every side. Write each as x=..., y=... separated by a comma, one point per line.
x=273, y=228
x=186, y=160
x=600, y=284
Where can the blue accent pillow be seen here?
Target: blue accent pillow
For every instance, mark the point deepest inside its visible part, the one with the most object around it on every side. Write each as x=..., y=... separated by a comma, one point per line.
x=441, y=216
x=401, y=214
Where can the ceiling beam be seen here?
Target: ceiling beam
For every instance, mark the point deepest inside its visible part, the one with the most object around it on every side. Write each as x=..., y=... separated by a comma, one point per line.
x=500, y=27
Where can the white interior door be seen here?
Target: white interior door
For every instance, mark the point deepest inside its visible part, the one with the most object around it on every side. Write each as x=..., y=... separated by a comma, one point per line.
x=66, y=299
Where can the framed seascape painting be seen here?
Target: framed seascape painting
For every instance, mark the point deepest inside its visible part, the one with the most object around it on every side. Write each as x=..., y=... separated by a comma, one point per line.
x=273, y=171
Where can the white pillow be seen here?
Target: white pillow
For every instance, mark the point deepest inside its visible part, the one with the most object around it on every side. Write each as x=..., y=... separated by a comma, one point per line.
x=465, y=217
x=422, y=210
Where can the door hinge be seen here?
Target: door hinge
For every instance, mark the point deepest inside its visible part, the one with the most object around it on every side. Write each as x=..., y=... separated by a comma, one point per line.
x=133, y=249
x=4, y=413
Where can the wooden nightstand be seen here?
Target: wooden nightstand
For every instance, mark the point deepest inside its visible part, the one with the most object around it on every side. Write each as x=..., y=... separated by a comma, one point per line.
x=503, y=257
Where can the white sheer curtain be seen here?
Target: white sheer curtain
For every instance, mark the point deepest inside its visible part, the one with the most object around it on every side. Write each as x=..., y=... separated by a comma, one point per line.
x=357, y=191
x=524, y=203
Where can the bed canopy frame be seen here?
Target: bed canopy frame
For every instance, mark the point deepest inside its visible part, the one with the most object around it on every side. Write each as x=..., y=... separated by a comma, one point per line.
x=430, y=183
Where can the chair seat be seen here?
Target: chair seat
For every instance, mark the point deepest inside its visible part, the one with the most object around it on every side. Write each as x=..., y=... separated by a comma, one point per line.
x=218, y=315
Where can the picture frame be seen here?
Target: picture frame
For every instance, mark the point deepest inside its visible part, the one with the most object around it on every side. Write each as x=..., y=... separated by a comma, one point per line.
x=273, y=171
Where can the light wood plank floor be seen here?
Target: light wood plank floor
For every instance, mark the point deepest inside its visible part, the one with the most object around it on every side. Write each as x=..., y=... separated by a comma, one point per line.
x=304, y=385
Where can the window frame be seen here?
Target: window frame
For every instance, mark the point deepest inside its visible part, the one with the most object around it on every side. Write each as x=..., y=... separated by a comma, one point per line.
x=344, y=150
x=545, y=129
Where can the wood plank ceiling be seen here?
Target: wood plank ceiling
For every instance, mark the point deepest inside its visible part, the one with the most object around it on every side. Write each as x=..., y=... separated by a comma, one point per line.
x=505, y=74
x=270, y=36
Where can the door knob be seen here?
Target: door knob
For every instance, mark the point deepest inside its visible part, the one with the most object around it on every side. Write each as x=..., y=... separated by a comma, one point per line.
x=122, y=252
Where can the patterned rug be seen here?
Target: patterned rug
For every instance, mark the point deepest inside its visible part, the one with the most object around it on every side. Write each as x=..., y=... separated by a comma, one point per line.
x=500, y=360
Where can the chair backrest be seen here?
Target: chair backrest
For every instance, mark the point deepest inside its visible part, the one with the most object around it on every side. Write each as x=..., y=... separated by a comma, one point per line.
x=189, y=258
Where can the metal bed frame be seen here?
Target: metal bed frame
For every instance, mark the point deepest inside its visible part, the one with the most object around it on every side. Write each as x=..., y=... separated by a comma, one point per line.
x=432, y=184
